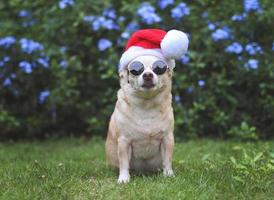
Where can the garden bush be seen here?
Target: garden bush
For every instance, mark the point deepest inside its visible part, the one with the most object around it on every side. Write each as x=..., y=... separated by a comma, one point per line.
x=58, y=65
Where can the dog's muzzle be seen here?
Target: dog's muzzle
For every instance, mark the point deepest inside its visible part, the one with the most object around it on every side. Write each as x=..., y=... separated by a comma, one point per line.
x=148, y=80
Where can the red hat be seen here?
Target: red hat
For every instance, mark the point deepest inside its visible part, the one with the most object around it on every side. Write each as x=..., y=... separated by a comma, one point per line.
x=168, y=46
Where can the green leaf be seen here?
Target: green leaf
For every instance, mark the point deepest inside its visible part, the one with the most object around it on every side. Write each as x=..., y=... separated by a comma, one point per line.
x=258, y=156
x=205, y=157
x=237, y=148
x=272, y=154
x=237, y=178
x=240, y=166
x=233, y=160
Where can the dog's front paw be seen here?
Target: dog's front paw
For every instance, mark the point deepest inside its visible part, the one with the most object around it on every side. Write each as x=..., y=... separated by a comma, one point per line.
x=123, y=177
x=168, y=172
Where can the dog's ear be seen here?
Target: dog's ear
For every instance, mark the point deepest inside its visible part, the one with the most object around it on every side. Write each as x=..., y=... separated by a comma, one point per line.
x=171, y=65
x=123, y=74
x=170, y=72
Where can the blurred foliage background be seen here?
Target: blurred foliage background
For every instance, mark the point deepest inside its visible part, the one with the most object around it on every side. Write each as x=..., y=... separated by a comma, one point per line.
x=58, y=65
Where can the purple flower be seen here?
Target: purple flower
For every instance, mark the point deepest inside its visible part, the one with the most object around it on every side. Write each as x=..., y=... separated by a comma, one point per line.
x=7, y=82
x=104, y=44
x=252, y=64
x=105, y=21
x=121, y=19
x=101, y=22
x=89, y=18
x=235, y=47
x=147, y=14
x=211, y=26
x=110, y=25
x=273, y=46
x=125, y=35
x=29, y=46
x=65, y=3
x=109, y=12
x=29, y=23
x=205, y=14
x=6, y=42
x=250, y=5
x=179, y=11
x=221, y=34
x=6, y=59
x=25, y=66
x=177, y=99
x=43, y=61
x=132, y=27
x=63, y=49
x=98, y=23
x=13, y=75
x=185, y=59
x=189, y=89
x=253, y=48
x=43, y=95
x=24, y=13
x=201, y=83
x=63, y=64
x=165, y=3
x=238, y=17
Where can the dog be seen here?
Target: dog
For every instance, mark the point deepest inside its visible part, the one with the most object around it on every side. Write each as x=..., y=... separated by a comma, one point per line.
x=140, y=133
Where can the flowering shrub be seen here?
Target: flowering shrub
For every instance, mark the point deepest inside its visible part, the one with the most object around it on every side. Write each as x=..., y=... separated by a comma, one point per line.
x=58, y=65
x=147, y=13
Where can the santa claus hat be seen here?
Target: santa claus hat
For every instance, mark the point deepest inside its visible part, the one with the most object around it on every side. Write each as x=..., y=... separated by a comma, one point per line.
x=168, y=46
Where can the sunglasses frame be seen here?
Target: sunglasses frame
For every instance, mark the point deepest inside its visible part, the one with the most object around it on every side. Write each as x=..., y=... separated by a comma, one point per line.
x=142, y=70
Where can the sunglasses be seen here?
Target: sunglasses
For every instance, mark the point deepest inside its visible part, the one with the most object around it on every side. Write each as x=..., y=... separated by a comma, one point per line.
x=158, y=67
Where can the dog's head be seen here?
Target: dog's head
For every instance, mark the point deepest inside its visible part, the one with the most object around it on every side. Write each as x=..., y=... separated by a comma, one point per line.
x=146, y=75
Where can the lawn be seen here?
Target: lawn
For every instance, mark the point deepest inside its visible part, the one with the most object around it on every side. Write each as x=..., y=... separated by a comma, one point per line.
x=76, y=169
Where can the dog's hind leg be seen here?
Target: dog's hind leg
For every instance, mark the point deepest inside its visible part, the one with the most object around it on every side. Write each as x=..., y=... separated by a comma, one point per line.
x=111, y=151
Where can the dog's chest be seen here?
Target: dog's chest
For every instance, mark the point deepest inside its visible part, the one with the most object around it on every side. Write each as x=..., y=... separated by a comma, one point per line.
x=150, y=126
x=145, y=128
x=147, y=133
x=147, y=136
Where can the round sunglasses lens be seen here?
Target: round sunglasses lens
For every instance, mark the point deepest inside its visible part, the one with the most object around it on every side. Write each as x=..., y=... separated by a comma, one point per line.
x=159, y=67
x=136, y=68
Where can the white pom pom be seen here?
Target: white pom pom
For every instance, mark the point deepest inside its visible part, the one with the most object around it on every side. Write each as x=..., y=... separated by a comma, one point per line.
x=174, y=45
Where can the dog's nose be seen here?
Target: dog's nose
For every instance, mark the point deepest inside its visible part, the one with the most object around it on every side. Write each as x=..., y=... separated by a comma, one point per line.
x=147, y=76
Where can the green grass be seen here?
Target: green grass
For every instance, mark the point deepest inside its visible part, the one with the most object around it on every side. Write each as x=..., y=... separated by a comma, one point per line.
x=76, y=169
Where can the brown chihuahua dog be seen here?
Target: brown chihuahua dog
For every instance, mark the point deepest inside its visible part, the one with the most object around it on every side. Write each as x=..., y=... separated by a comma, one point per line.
x=140, y=135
